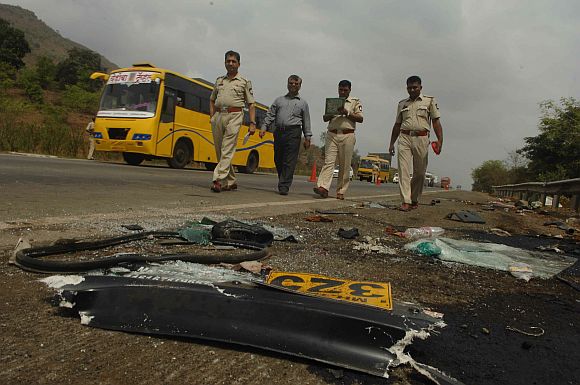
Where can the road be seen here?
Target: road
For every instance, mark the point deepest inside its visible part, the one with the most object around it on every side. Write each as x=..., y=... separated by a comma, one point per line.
x=34, y=187
x=48, y=199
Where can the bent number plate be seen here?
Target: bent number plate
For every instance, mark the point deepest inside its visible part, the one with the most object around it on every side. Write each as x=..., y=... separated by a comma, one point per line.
x=377, y=294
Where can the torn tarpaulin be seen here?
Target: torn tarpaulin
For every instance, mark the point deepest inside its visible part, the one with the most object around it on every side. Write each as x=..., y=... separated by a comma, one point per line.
x=498, y=256
x=237, y=310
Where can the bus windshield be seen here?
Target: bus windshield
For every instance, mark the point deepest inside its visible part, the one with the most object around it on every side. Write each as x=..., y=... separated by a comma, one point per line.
x=132, y=95
x=367, y=163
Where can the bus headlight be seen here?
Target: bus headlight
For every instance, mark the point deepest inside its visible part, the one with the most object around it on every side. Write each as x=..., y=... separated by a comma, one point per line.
x=98, y=135
x=141, y=136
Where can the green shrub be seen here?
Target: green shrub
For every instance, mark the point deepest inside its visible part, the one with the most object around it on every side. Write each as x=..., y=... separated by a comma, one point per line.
x=7, y=76
x=80, y=100
x=28, y=80
x=11, y=113
x=45, y=72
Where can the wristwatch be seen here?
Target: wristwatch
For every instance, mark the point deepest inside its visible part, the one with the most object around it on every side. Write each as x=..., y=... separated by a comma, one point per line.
x=254, y=123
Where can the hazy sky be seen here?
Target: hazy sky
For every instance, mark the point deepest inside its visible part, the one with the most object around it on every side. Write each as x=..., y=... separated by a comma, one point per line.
x=489, y=63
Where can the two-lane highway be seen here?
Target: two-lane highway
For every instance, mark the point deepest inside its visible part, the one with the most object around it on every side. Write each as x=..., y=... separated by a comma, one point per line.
x=33, y=187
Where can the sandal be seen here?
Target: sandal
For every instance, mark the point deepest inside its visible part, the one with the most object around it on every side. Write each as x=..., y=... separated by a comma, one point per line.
x=340, y=196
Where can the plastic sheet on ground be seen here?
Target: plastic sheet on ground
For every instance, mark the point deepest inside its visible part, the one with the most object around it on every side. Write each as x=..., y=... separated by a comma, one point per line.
x=498, y=257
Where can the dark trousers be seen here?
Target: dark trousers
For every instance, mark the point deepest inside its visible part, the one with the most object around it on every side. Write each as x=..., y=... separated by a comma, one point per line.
x=286, y=149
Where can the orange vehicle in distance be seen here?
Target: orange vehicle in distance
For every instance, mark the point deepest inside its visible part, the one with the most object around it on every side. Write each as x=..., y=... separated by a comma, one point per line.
x=445, y=182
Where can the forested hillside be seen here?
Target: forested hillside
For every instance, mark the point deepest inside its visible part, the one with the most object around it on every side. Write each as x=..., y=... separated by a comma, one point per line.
x=43, y=40
x=46, y=96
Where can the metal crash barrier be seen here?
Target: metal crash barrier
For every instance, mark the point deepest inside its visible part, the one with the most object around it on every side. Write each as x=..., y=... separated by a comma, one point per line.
x=543, y=190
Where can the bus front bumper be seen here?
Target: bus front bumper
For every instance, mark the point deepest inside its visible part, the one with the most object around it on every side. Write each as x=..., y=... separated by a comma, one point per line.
x=145, y=147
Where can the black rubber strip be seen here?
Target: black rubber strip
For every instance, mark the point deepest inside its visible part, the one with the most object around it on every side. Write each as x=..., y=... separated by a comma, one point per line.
x=30, y=259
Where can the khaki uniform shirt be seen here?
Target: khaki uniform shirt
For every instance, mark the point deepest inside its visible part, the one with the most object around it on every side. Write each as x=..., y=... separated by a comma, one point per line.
x=340, y=122
x=90, y=128
x=234, y=92
x=416, y=115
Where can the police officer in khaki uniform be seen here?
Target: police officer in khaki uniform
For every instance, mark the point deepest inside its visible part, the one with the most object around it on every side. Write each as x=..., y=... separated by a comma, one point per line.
x=226, y=110
x=340, y=141
x=412, y=126
x=90, y=129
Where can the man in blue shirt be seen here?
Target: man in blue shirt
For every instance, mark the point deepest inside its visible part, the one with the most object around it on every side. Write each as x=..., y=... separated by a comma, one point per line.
x=288, y=118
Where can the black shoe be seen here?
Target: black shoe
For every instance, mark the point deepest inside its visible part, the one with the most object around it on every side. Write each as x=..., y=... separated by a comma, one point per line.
x=283, y=192
x=321, y=191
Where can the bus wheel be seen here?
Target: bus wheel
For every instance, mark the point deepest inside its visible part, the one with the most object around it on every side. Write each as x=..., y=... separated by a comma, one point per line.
x=181, y=155
x=210, y=166
x=133, y=159
x=252, y=164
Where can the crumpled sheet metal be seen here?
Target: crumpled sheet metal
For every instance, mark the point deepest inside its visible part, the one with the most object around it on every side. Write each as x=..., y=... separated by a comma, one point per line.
x=162, y=301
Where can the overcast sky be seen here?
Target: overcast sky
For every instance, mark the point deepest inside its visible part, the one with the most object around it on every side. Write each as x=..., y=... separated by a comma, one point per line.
x=489, y=63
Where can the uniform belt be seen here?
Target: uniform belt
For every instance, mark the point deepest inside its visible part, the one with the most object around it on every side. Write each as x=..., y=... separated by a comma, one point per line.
x=415, y=132
x=229, y=109
x=290, y=127
x=345, y=131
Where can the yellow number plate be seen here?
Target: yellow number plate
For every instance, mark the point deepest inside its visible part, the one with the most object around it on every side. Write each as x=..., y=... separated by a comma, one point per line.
x=377, y=294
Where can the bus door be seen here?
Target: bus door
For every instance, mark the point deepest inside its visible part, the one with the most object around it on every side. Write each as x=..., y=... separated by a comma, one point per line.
x=166, y=124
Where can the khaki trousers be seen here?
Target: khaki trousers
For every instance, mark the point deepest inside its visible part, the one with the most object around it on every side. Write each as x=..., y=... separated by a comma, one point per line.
x=338, y=148
x=225, y=127
x=91, y=147
x=412, y=158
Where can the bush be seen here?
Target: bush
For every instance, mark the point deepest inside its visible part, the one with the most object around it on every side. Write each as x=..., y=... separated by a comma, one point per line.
x=11, y=113
x=7, y=76
x=28, y=80
x=45, y=72
x=53, y=136
x=80, y=100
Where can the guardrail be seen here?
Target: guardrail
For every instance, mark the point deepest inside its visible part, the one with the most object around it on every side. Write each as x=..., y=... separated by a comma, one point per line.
x=557, y=189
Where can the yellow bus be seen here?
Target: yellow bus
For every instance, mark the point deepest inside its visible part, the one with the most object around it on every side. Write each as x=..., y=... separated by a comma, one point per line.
x=366, y=165
x=150, y=113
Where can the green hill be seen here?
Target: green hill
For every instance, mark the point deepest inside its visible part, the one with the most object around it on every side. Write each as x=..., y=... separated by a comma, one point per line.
x=43, y=40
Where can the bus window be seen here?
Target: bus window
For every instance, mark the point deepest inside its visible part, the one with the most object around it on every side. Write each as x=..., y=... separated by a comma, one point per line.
x=168, y=110
x=180, y=101
x=202, y=94
x=193, y=102
x=204, y=106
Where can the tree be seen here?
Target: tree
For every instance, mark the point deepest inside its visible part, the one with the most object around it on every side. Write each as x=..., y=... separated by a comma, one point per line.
x=13, y=45
x=490, y=173
x=45, y=72
x=553, y=154
x=77, y=67
x=517, y=166
x=29, y=82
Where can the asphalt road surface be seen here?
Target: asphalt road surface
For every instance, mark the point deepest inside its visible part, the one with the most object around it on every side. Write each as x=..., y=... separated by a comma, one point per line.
x=33, y=187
